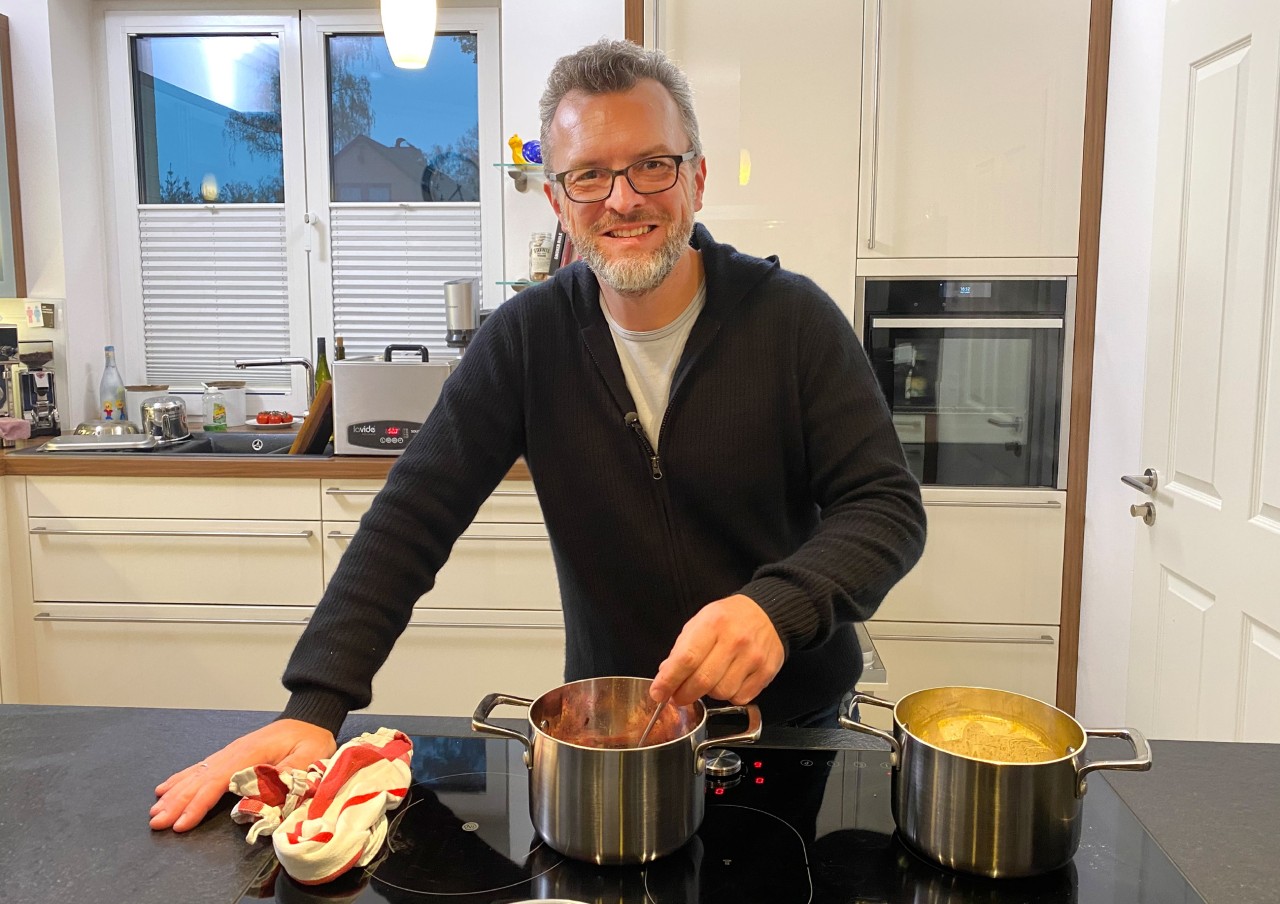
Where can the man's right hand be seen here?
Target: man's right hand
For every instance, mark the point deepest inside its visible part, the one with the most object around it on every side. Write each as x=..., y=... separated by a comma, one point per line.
x=186, y=796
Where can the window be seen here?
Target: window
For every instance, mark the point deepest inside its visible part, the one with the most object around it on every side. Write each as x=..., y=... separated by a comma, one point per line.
x=278, y=179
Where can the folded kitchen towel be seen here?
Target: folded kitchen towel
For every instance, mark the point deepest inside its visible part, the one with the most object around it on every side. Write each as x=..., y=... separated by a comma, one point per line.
x=333, y=816
x=13, y=428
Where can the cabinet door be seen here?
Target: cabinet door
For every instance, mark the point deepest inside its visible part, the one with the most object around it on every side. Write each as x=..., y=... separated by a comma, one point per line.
x=494, y=565
x=1019, y=658
x=776, y=90
x=191, y=657
x=990, y=557
x=139, y=560
x=973, y=128
x=447, y=660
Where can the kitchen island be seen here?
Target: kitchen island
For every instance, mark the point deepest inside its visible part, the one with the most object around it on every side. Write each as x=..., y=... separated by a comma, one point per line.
x=76, y=783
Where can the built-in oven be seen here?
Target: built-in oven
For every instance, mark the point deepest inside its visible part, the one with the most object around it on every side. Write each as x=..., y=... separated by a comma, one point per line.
x=976, y=373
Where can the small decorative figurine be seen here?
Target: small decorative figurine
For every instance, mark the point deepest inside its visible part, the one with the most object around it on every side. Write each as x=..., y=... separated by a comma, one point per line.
x=517, y=153
x=533, y=151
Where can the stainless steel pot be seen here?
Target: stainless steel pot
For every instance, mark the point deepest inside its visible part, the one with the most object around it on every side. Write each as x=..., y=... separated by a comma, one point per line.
x=165, y=418
x=593, y=800
x=106, y=428
x=991, y=818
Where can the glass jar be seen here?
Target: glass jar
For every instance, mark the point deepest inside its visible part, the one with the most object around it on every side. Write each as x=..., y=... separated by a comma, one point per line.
x=215, y=410
x=539, y=256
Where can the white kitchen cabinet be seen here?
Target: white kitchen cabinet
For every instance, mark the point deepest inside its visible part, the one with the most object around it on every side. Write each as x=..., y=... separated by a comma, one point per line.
x=992, y=556
x=776, y=90
x=1019, y=658
x=196, y=657
x=972, y=128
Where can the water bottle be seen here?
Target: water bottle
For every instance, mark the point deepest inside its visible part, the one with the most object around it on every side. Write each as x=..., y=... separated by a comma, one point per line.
x=111, y=389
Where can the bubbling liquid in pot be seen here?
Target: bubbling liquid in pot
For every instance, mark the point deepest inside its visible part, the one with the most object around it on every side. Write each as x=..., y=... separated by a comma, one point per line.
x=988, y=737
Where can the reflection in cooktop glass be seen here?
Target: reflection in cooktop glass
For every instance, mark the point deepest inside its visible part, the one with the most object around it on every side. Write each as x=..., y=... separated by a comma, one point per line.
x=796, y=825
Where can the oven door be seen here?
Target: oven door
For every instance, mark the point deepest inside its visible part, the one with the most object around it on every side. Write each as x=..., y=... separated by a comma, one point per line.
x=976, y=401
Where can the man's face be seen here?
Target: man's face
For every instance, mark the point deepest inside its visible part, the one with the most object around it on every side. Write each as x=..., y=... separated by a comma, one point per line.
x=631, y=241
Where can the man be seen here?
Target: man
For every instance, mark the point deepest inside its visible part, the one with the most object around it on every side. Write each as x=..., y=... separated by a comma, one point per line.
x=718, y=472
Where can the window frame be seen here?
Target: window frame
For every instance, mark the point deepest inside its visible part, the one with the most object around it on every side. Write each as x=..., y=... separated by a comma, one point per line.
x=301, y=32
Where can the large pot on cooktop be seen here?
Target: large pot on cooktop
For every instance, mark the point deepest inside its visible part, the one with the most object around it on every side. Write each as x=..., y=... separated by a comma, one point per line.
x=595, y=797
x=1000, y=801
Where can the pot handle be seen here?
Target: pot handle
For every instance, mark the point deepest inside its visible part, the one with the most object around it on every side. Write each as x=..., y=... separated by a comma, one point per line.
x=895, y=749
x=487, y=706
x=750, y=736
x=1140, y=746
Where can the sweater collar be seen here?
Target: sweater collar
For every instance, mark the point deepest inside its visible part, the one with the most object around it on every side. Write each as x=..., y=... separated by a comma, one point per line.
x=730, y=275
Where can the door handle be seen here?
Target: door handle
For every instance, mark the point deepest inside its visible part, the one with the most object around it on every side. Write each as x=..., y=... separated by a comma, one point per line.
x=1013, y=421
x=1147, y=483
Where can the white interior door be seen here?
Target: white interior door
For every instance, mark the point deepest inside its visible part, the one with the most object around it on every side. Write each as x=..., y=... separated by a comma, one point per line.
x=1206, y=622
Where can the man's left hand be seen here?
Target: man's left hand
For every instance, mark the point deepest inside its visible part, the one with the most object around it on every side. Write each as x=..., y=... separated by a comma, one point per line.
x=729, y=650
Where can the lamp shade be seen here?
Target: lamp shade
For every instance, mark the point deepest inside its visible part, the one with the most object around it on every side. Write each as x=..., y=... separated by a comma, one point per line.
x=409, y=27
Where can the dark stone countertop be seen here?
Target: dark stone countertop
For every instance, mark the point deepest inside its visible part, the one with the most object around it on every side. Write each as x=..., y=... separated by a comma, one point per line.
x=76, y=784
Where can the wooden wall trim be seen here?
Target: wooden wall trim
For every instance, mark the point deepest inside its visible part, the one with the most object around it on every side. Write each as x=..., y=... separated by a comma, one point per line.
x=633, y=20
x=1095, y=125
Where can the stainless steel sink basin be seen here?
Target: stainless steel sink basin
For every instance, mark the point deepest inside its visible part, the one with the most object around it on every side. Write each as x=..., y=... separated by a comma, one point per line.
x=232, y=444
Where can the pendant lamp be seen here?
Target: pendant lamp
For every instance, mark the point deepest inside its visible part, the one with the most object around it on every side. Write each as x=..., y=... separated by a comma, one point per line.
x=409, y=27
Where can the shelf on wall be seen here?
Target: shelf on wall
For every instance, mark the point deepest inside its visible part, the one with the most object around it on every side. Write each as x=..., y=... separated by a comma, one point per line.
x=521, y=173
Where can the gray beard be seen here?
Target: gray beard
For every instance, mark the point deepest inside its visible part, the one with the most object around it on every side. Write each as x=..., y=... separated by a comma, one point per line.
x=633, y=276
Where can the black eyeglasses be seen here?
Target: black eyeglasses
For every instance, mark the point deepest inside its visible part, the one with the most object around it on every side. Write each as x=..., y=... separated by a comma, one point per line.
x=647, y=177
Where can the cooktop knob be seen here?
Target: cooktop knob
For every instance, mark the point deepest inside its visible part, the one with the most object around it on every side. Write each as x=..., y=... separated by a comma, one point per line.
x=723, y=763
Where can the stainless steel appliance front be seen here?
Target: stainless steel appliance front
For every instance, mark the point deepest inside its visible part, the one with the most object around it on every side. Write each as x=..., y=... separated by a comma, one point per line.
x=976, y=373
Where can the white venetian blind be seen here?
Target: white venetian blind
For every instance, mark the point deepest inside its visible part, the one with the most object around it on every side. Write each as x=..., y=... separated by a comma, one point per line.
x=214, y=289
x=390, y=264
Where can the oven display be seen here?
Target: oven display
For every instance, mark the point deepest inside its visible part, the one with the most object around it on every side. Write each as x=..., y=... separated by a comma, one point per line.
x=382, y=434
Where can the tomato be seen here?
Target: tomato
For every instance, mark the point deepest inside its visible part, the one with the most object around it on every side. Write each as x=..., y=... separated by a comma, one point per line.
x=263, y=417
x=286, y=418
x=273, y=417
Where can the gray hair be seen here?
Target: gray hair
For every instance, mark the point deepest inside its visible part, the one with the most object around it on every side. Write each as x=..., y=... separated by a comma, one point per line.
x=608, y=66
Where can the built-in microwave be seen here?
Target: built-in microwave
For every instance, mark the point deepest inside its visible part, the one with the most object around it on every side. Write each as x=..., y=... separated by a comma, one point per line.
x=976, y=373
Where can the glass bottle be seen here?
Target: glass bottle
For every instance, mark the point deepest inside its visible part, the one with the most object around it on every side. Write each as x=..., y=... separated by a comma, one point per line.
x=322, y=364
x=339, y=350
x=111, y=389
x=539, y=256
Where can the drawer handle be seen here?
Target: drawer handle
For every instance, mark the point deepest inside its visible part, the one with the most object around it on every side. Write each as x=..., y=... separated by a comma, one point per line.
x=339, y=491
x=993, y=503
x=1043, y=639
x=248, y=534
x=340, y=535
x=431, y=624
x=525, y=493
x=141, y=620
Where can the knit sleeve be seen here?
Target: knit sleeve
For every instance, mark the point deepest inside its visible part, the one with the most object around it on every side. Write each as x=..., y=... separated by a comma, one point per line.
x=872, y=522
x=469, y=441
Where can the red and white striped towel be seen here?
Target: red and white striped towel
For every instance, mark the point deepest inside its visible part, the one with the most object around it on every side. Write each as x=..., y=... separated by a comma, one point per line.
x=333, y=816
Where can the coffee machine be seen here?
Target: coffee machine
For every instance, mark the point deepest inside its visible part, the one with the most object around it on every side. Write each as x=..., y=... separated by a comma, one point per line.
x=461, y=314
x=40, y=402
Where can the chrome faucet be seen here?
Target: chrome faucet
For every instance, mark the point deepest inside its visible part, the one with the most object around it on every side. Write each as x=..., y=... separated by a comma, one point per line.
x=242, y=363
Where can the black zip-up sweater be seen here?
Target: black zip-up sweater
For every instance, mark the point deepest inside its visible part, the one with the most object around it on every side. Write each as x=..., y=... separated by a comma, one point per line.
x=779, y=476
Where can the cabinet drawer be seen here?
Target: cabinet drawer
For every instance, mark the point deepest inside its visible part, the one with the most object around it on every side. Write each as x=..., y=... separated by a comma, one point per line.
x=446, y=661
x=172, y=497
x=171, y=561
x=196, y=657
x=1020, y=658
x=990, y=557
x=492, y=566
x=348, y=500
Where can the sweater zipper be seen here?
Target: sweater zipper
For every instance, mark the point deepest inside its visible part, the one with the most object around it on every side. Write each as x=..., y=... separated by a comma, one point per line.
x=655, y=463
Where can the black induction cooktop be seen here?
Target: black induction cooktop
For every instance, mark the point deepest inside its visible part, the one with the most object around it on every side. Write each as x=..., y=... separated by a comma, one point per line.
x=796, y=825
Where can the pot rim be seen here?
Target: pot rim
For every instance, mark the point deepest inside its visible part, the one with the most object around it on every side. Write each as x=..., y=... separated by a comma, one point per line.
x=1066, y=757
x=700, y=710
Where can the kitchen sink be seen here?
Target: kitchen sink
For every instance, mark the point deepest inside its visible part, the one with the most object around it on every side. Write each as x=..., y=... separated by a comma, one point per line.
x=232, y=444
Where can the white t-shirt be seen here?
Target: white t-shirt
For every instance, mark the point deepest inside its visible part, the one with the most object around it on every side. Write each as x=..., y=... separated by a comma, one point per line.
x=649, y=360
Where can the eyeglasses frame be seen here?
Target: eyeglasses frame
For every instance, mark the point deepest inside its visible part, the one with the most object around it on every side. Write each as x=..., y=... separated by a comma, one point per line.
x=558, y=178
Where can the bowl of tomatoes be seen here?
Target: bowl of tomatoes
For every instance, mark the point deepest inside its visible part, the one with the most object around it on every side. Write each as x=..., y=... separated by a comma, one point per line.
x=273, y=420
